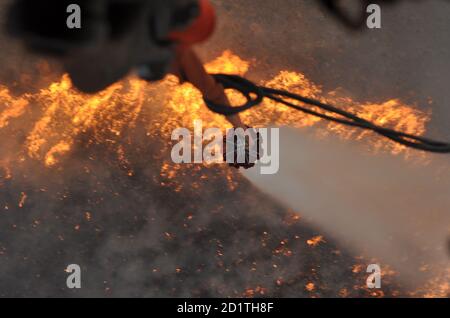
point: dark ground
(146, 240)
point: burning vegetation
(66, 114)
(55, 135)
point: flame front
(66, 113)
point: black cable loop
(255, 95)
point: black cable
(255, 95)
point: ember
(60, 121)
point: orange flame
(66, 113)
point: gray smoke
(382, 205)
